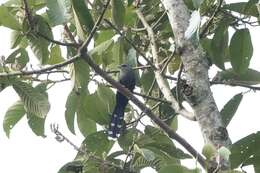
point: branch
(230, 83)
(75, 45)
(159, 78)
(40, 71)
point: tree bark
(196, 72)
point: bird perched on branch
(126, 78)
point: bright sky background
(25, 152)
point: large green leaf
(98, 144)
(101, 49)
(83, 14)
(241, 50)
(8, 20)
(18, 59)
(118, 52)
(230, 108)
(95, 109)
(246, 8)
(55, 55)
(86, 125)
(72, 167)
(250, 77)
(71, 106)
(36, 124)
(16, 38)
(81, 72)
(35, 103)
(118, 13)
(127, 139)
(147, 80)
(13, 116)
(39, 45)
(59, 11)
(218, 45)
(107, 96)
(244, 149)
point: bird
(128, 80)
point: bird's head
(125, 68)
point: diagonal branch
(159, 78)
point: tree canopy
(171, 44)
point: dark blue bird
(126, 78)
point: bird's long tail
(116, 122)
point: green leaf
(71, 106)
(19, 58)
(82, 70)
(147, 79)
(107, 96)
(146, 153)
(35, 102)
(16, 38)
(250, 77)
(118, 52)
(13, 115)
(38, 44)
(246, 8)
(244, 149)
(241, 50)
(118, 13)
(218, 46)
(8, 20)
(59, 11)
(89, 105)
(103, 52)
(230, 108)
(98, 144)
(83, 14)
(127, 139)
(103, 36)
(72, 167)
(55, 55)
(101, 49)
(86, 125)
(36, 124)
(157, 135)
(141, 163)
(177, 169)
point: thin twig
(58, 42)
(60, 137)
(178, 85)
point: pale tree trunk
(196, 72)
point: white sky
(25, 152)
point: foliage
(32, 30)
